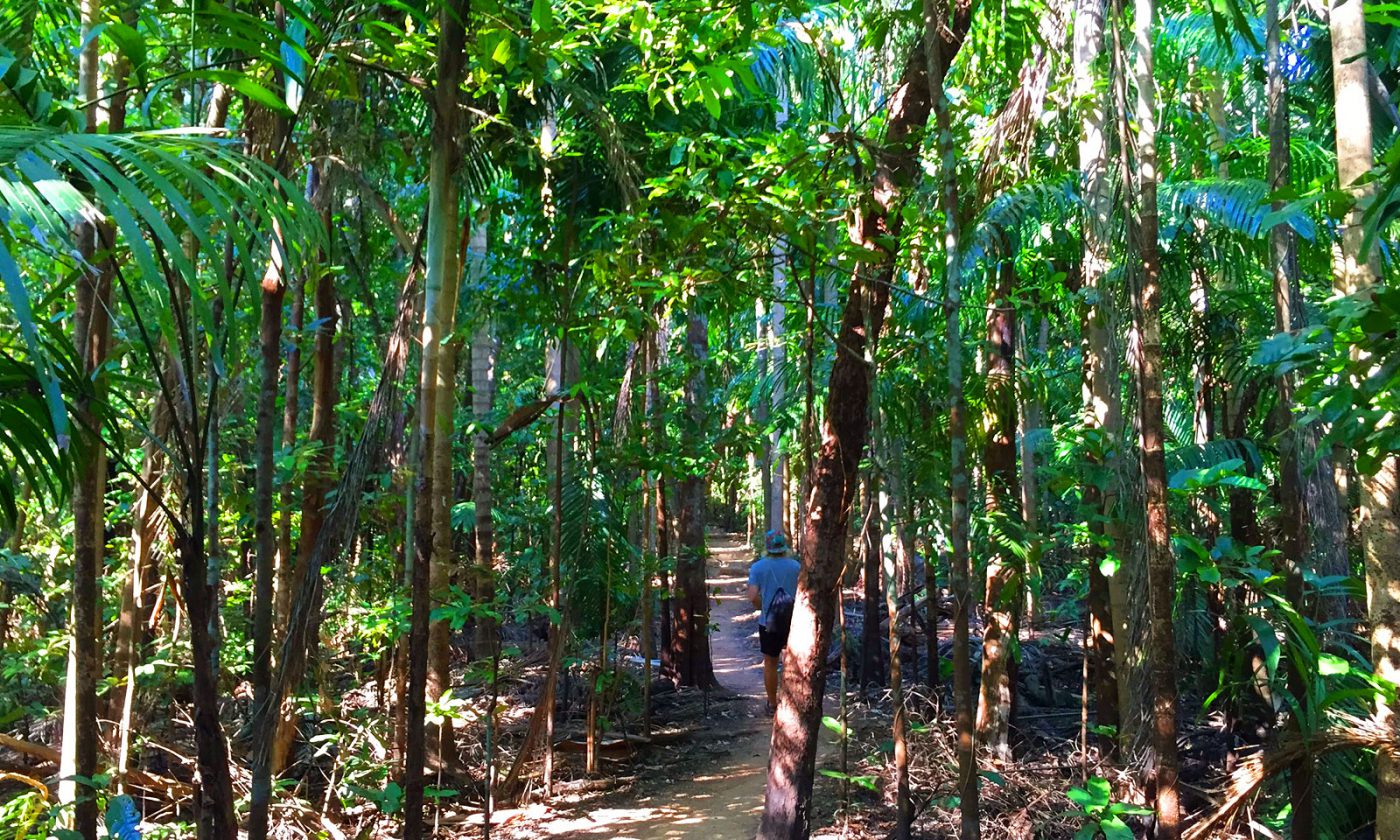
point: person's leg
(770, 679)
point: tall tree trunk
(91, 336)
(441, 268)
(1356, 273)
(692, 599)
(444, 495)
(890, 551)
(1001, 605)
(1031, 420)
(791, 767)
(291, 398)
(1161, 565)
(483, 397)
(944, 29)
(318, 480)
(1283, 246)
(761, 416)
(274, 289)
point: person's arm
(755, 596)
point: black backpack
(780, 613)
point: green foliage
(1101, 815)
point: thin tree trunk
(441, 268)
(939, 26)
(904, 808)
(1356, 273)
(91, 336)
(440, 572)
(1161, 565)
(1283, 247)
(483, 360)
(274, 289)
(868, 546)
(1002, 601)
(318, 480)
(291, 398)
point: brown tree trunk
(318, 480)
(791, 767)
(274, 289)
(1161, 565)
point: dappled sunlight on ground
(725, 796)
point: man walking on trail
(772, 588)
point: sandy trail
(725, 798)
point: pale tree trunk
(868, 548)
(1099, 390)
(940, 24)
(441, 260)
(889, 553)
(1355, 273)
(291, 398)
(777, 360)
(1288, 317)
(1002, 600)
(483, 397)
(1031, 419)
(1161, 565)
(761, 414)
(91, 336)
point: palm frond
(1237, 205)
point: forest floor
(710, 786)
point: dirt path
(724, 797)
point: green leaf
(1330, 665)
(1115, 829)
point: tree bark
(944, 30)
(291, 398)
(1161, 565)
(441, 267)
(274, 289)
(791, 767)
(692, 600)
(91, 336)
(483, 397)
(1001, 604)
(1355, 273)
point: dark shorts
(771, 644)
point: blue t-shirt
(770, 573)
